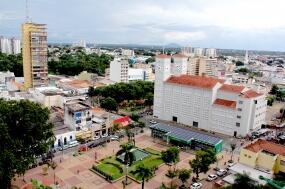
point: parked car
(212, 177)
(83, 148)
(96, 137)
(231, 164)
(221, 172)
(73, 143)
(114, 137)
(104, 135)
(152, 121)
(196, 185)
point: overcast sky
(238, 24)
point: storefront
(186, 138)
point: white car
(152, 122)
(221, 172)
(231, 164)
(114, 137)
(196, 185)
(212, 177)
(73, 143)
(104, 135)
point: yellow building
(264, 155)
(34, 48)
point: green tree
(128, 157)
(243, 181)
(25, 133)
(171, 174)
(53, 165)
(109, 104)
(184, 175)
(170, 156)
(274, 89)
(135, 117)
(239, 63)
(149, 60)
(37, 185)
(149, 99)
(144, 173)
(203, 159)
(270, 100)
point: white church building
(204, 102)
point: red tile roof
(270, 147)
(226, 103)
(124, 121)
(232, 88)
(195, 81)
(163, 56)
(179, 56)
(251, 94)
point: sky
(230, 24)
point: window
(237, 124)
(240, 102)
(255, 101)
(245, 155)
(195, 124)
(239, 109)
(174, 119)
(238, 116)
(70, 137)
(65, 141)
(78, 121)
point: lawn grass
(115, 168)
(152, 151)
(111, 166)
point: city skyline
(221, 24)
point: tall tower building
(34, 47)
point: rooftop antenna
(28, 19)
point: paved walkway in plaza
(74, 171)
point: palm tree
(53, 165)
(128, 156)
(143, 173)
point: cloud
(221, 23)
(185, 37)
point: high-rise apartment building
(198, 52)
(211, 53)
(15, 46)
(34, 44)
(200, 66)
(10, 46)
(119, 68)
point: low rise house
(264, 155)
(77, 115)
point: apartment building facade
(34, 47)
(119, 70)
(204, 102)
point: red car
(83, 148)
